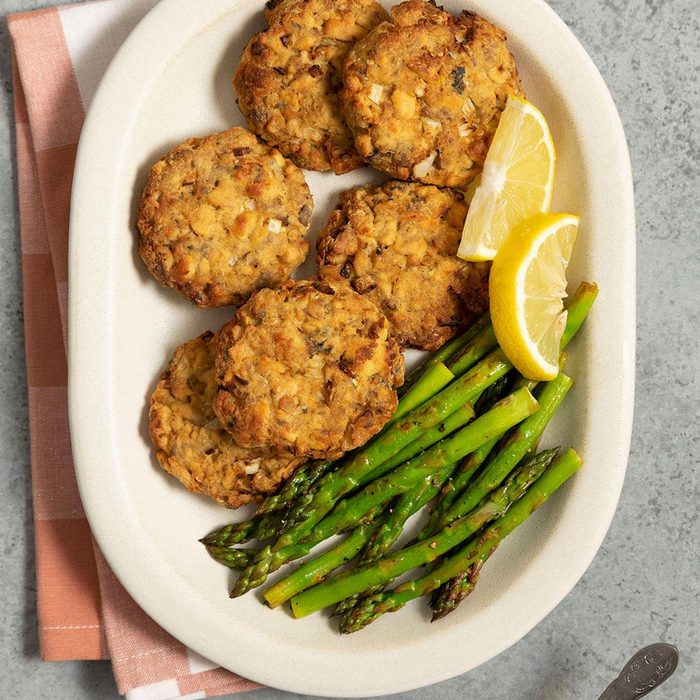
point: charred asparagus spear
(367, 537)
(301, 480)
(521, 440)
(389, 567)
(392, 524)
(474, 553)
(448, 597)
(233, 558)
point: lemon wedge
(516, 183)
(527, 287)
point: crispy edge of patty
(192, 446)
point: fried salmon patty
(224, 216)
(308, 369)
(193, 447)
(423, 93)
(397, 244)
(289, 76)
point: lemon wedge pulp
(516, 183)
(527, 288)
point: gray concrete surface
(643, 585)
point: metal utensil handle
(646, 670)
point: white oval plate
(170, 81)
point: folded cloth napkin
(84, 613)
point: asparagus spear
(495, 393)
(430, 382)
(392, 523)
(393, 565)
(577, 311)
(475, 552)
(447, 351)
(454, 486)
(521, 440)
(315, 570)
(271, 524)
(233, 558)
(460, 476)
(302, 479)
(260, 527)
(364, 537)
(446, 598)
(460, 418)
(463, 474)
(474, 351)
(507, 413)
(236, 533)
(411, 502)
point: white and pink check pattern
(84, 613)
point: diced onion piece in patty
(375, 93)
(421, 169)
(253, 467)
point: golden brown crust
(289, 76)
(397, 244)
(193, 447)
(307, 369)
(223, 216)
(423, 93)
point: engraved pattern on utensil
(644, 672)
(660, 657)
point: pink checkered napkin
(84, 613)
